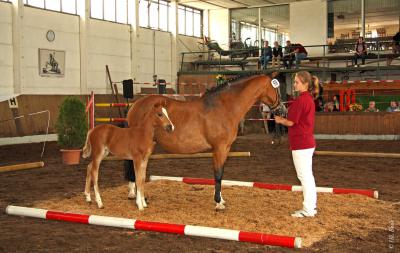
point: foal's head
(161, 118)
(271, 96)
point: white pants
(302, 160)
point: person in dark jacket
(361, 51)
(266, 55)
(277, 54)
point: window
(154, 14)
(67, 6)
(110, 10)
(4, 0)
(189, 21)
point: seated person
(371, 107)
(300, 53)
(396, 43)
(266, 55)
(277, 54)
(329, 107)
(393, 107)
(361, 51)
(336, 103)
(288, 56)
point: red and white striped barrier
(218, 233)
(284, 187)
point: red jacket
(302, 113)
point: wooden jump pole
(183, 156)
(22, 166)
(358, 154)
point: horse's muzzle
(280, 110)
(169, 128)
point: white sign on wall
(51, 63)
(13, 103)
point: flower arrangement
(355, 107)
(220, 79)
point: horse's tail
(87, 149)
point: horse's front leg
(139, 182)
(219, 158)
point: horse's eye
(159, 114)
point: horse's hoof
(222, 201)
(101, 206)
(131, 196)
(219, 206)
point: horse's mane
(212, 93)
(228, 83)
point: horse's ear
(274, 74)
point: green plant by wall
(71, 123)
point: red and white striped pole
(218, 233)
(284, 187)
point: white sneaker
(301, 214)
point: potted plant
(71, 129)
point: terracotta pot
(71, 156)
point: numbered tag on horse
(275, 83)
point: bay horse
(209, 122)
(134, 143)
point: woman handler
(300, 122)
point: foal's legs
(95, 176)
(219, 158)
(88, 182)
(143, 178)
(130, 176)
(139, 182)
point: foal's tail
(87, 149)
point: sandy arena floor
(345, 223)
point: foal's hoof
(219, 206)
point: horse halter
(275, 84)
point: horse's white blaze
(166, 114)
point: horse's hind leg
(88, 182)
(219, 158)
(95, 177)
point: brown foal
(134, 143)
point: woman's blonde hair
(312, 81)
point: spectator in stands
(300, 53)
(396, 43)
(266, 55)
(336, 104)
(288, 56)
(393, 107)
(277, 54)
(361, 51)
(371, 107)
(329, 107)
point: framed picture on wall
(51, 63)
